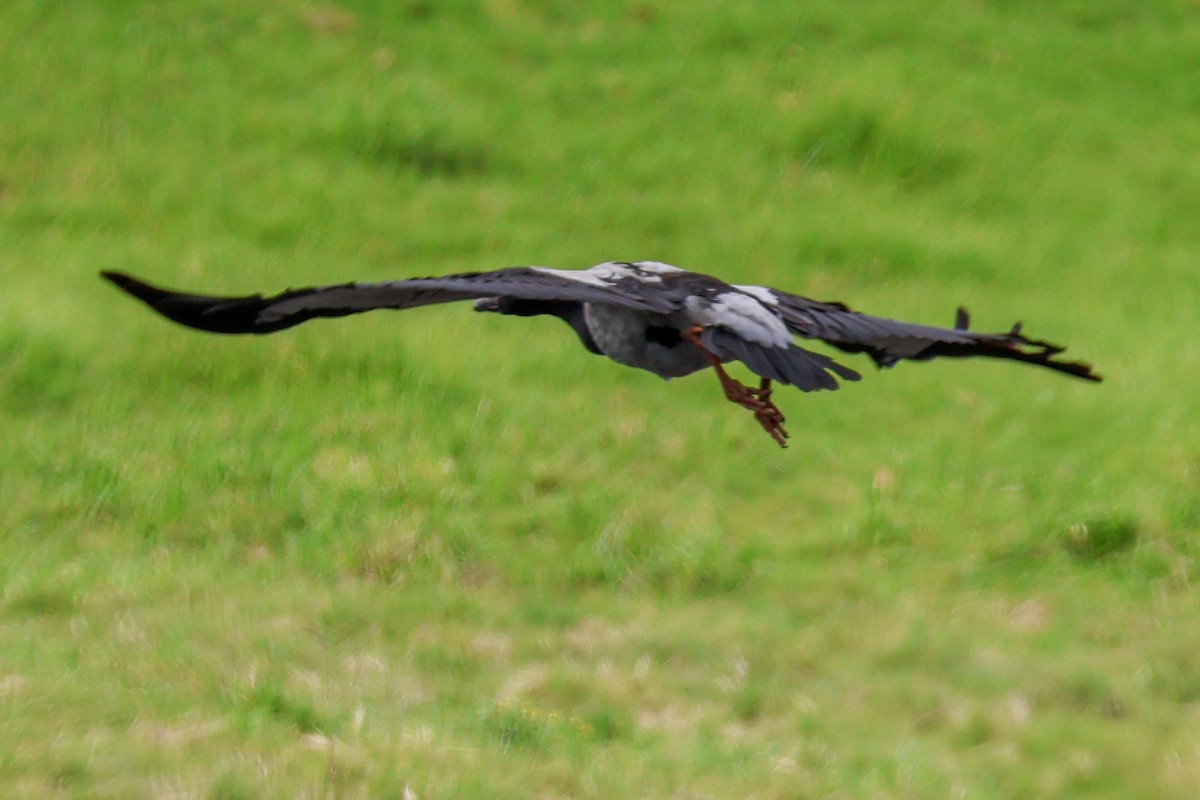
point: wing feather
(258, 314)
(888, 341)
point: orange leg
(757, 400)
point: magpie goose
(643, 314)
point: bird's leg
(768, 414)
(735, 390)
(757, 400)
(763, 394)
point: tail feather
(795, 366)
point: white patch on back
(588, 276)
(656, 266)
(614, 271)
(742, 314)
(761, 293)
(606, 274)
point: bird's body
(646, 314)
(642, 339)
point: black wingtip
(120, 279)
(1042, 352)
(962, 319)
(201, 312)
(131, 285)
(1076, 369)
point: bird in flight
(642, 314)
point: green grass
(449, 555)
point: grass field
(448, 555)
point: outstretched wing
(887, 341)
(258, 314)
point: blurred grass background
(443, 555)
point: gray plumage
(646, 314)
